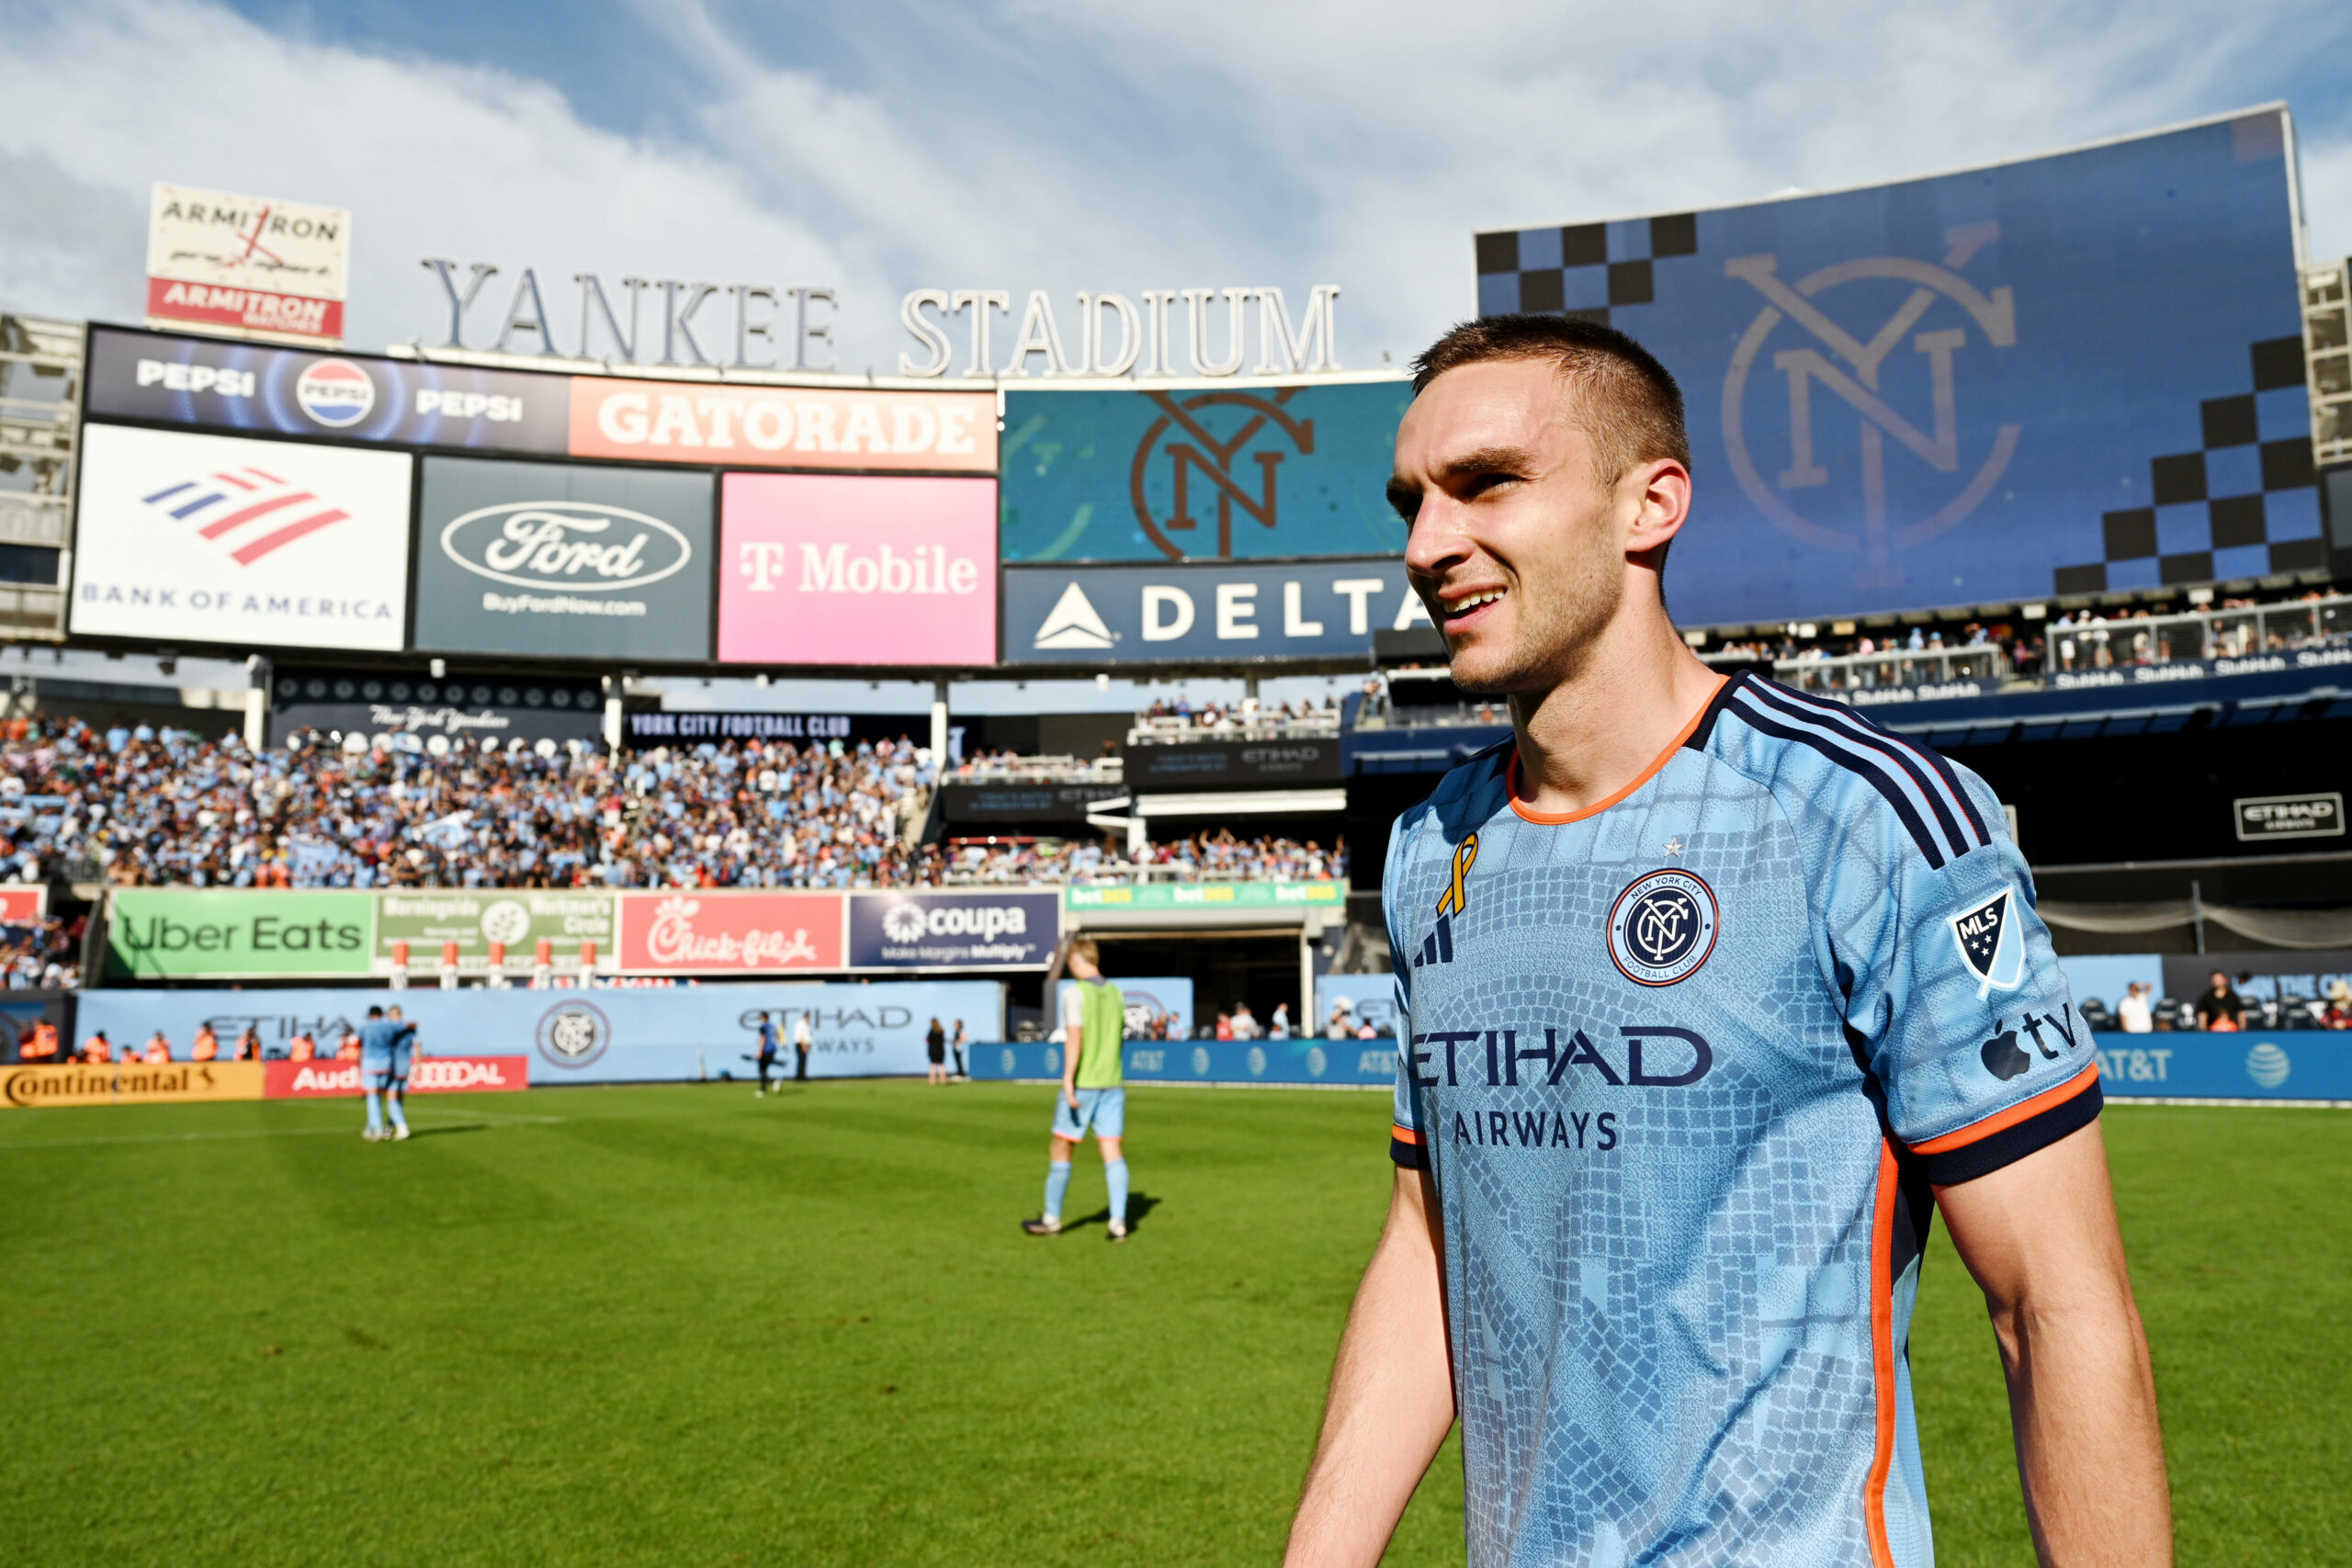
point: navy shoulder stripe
(1933, 758)
(1876, 740)
(1763, 722)
(1706, 729)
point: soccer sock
(374, 1111)
(1114, 1171)
(1056, 1185)
(392, 1105)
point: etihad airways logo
(255, 513)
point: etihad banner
(256, 544)
(562, 560)
(129, 1083)
(823, 569)
(714, 933)
(732, 425)
(431, 1074)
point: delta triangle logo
(1073, 624)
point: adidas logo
(1073, 624)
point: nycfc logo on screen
(1990, 943)
(1896, 484)
(1662, 928)
(573, 1034)
(1202, 465)
(570, 545)
(336, 393)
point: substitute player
(1094, 1089)
(1715, 993)
(384, 1048)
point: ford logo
(566, 543)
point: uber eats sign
(195, 933)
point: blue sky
(1063, 144)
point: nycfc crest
(1662, 928)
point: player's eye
(1404, 501)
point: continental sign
(131, 1083)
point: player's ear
(1656, 496)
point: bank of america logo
(252, 508)
(1073, 624)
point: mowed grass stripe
(684, 1323)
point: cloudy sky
(1063, 144)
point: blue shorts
(376, 1067)
(1105, 1110)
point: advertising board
(2311, 1065)
(465, 708)
(1156, 1006)
(1193, 895)
(166, 379)
(729, 933)
(430, 919)
(907, 930)
(821, 568)
(1240, 764)
(602, 1035)
(128, 1083)
(1364, 998)
(562, 560)
(2069, 375)
(2316, 816)
(428, 1075)
(253, 544)
(247, 264)
(1025, 802)
(1369, 1064)
(184, 933)
(24, 904)
(728, 424)
(1230, 473)
(676, 727)
(1097, 615)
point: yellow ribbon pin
(1457, 898)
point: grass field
(684, 1326)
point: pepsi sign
(207, 383)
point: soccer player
(767, 1052)
(1094, 1089)
(384, 1047)
(1715, 993)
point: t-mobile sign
(825, 569)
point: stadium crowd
(1209, 857)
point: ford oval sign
(575, 546)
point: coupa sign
(546, 558)
(937, 931)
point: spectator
(2221, 1009)
(97, 1048)
(2338, 1011)
(208, 1044)
(1224, 1026)
(1245, 1022)
(1339, 1025)
(248, 1045)
(303, 1048)
(159, 1050)
(1281, 1029)
(2132, 1013)
(347, 1048)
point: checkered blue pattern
(1659, 1287)
(1591, 271)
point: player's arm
(1392, 1395)
(2041, 1238)
(1073, 1042)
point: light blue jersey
(1683, 1068)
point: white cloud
(1074, 144)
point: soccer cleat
(1118, 1230)
(371, 1136)
(1041, 1226)
(401, 1133)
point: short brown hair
(1630, 407)
(1083, 947)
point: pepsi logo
(335, 394)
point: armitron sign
(2290, 817)
(247, 266)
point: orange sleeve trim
(1883, 1384)
(2024, 1111)
(1403, 1134)
(1560, 818)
